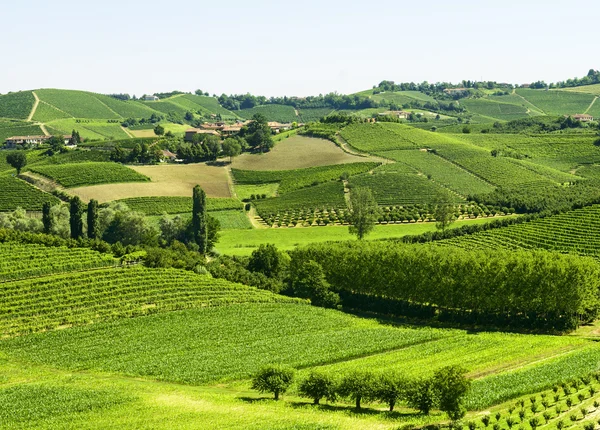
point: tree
(274, 379)
(443, 211)
(318, 385)
(231, 148)
(451, 386)
(420, 395)
(258, 133)
(308, 281)
(118, 155)
(159, 130)
(358, 386)
(17, 160)
(130, 228)
(75, 138)
(75, 220)
(212, 231)
(213, 147)
(199, 227)
(363, 212)
(57, 144)
(390, 389)
(47, 217)
(93, 228)
(266, 260)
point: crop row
(17, 193)
(83, 174)
(291, 180)
(373, 137)
(177, 205)
(327, 195)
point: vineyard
(77, 104)
(83, 174)
(495, 110)
(20, 261)
(375, 138)
(291, 180)
(17, 193)
(46, 303)
(557, 102)
(273, 112)
(177, 205)
(16, 105)
(315, 114)
(576, 232)
(18, 128)
(46, 113)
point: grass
(247, 191)
(85, 174)
(166, 180)
(16, 105)
(296, 152)
(237, 242)
(18, 193)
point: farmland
(78, 104)
(273, 112)
(17, 128)
(495, 110)
(18, 193)
(85, 174)
(177, 205)
(557, 102)
(16, 105)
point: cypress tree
(75, 221)
(46, 217)
(199, 227)
(92, 219)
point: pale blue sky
(293, 48)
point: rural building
(397, 113)
(229, 130)
(276, 127)
(168, 155)
(190, 133)
(583, 117)
(14, 141)
(151, 98)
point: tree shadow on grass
(257, 399)
(395, 415)
(218, 163)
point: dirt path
(349, 150)
(254, 219)
(591, 104)
(43, 127)
(127, 132)
(527, 101)
(35, 105)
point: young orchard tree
(420, 395)
(451, 386)
(75, 220)
(363, 212)
(17, 160)
(318, 385)
(274, 379)
(358, 386)
(390, 389)
(199, 219)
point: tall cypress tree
(46, 217)
(75, 221)
(199, 227)
(92, 219)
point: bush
(420, 395)
(274, 379)
(390, 389)
(451, 386)
(317, 386)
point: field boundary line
(127, 132)
(591, 104)
(537, 107)
(44, 130)
(60, 110)
(107, 107)
(35, 105)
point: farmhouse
(151, 98)
(276, 127)
(190, 133)
(396, 113)
(229, 130)
(14, 141)
(583, 117)
(168, 155)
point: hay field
(166, 180)
(297, 152)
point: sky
(294, 48)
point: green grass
(78, 104)
(83, 174)
(246, 191)
(238, 242)
(291, 180)
(177, 205)
(87, 297)
(390, 188)
(557, 102)
(16, 105)
(17, 193)
(273, 112)
(495, 110)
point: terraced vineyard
(17, 193)
(291, 180)
(81, 298)
(177, 205)
(21, 261)
(401, 189)
(83, 174)
(576, 232)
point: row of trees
(446, 389)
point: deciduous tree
(318, 385)
(274, 379)
(363, 212)
(17, 160)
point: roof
(169, 154)
(582, 115)
(201, 131)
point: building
(583, 117)
(190, 133)
(229, 130)
(168, 155)
(397, 113)
(277, 127)
(14, 141)
(151, 98)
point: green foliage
(373, 137)
(77, 104)
(358, 386)
(291, 180)
(390, 388)
(363, 212)
(273, 112)
(308, 281)
(557, 102)
(76, 210)
(177, 205)
(83, 174)
(420, 394)
(495, 110)
(266, 260)
(199, 219)
(16, 105)
(318, 385)
(17, 159)
(451, 386)
(274, 379)
(19, 194)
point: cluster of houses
(222, 129)
(16, 141)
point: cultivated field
(165, 180)
(297, 152)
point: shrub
(390, 388)
(420, 395)
(274, 379)
(589, 426)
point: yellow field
(297, 152)
(167, 180)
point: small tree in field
(420, 395)
(159, 130)
(17, 160)
(358, 386)
(231, 148)
(363, 212)
(317, 386)
(443, 212)
(451, 386)
(390, 389)
(274, 379)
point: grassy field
(247, 191)
(166, 180)
(296, 152)
(86, 174)
(244, 242)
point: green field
(17, 193)
(557, 102)
(273, 112)
(78, 104)
(83, 174)
(177, 205)
(18, 128)
(495, 110)
(16, 105)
